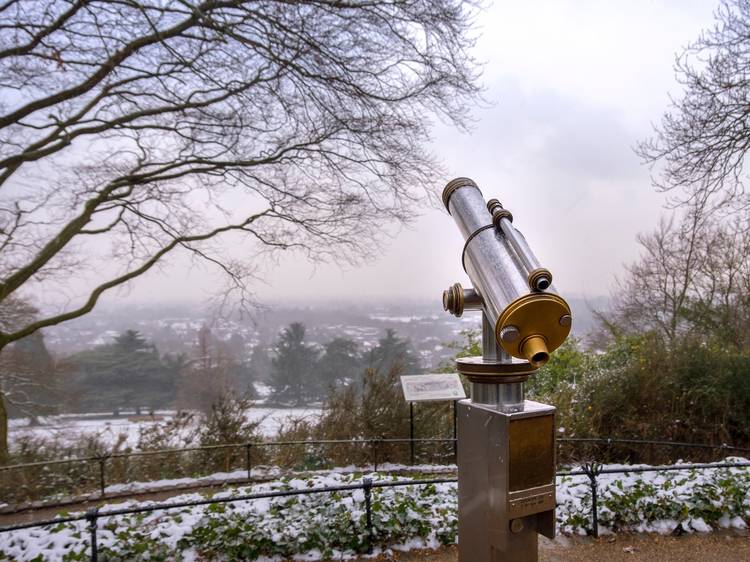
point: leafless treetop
(703, 139)
(133, 129)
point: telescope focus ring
(453, 299)
(540, 279)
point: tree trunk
(4, 452)
(4, 456)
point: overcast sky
(572, 86)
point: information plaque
(425, 388)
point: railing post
(455, 431)
(375, 449)
(91, 517)
(367, 487)
(102, 482)
(248, 460)
(411, 432)
(594, 508)
(592, 470)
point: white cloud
(573, 86)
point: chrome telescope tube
(539, 278)
(515, 293)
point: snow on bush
(698, 500)
(318, 525)
(332, 525)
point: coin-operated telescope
(506, 444)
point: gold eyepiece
(534, 349)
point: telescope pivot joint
(453, 299)
(456, 299)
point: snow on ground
(273, 418)
(267, 473)
(309, 527)
(332, 525)
(263, 390)
(127, 427)
(71, 427)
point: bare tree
(704, 137)
(26, 371)
(656, 287)
(206, 377)
(133, 130)
(692, 281)
(719, 303)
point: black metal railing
(32, 481)
(594, 469)
(591, 470)
(93, 515)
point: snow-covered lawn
(127, 427)
(323, 525)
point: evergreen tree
(293, 367)
(138, 372)
(236, 346)
(260, 363)
(340, 364)
(391, 352)
(128, 373)
(130, 342)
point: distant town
(175, 328)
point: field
(127, 427)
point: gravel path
(713, 547)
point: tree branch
(8, 337)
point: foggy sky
(570, 88)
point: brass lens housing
(537, 317)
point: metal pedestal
(506, 486)
(506, 463)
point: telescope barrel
(469, 210)
(530, 319)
